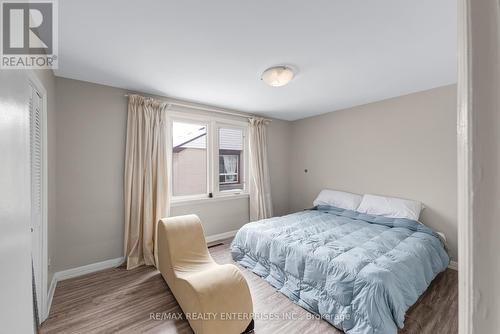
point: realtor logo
(29, 34)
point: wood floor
(121, 301)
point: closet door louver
(35, 114)
(36, 155)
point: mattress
(359, 272)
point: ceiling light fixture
(277, 76)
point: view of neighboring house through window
(230, 159)
(189, 159)
(208, 158)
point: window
(230, 156)
(189, 159)
(229, 168)
(208, 157)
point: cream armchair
(215, 298)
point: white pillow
(391, 207)
(340, 199)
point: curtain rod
(192, 106)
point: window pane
(189, 159)
(230, 159)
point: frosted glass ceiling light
(277, 76)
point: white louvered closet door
(35, 106)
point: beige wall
(218, 216)
(91, 123)
(485, 84)
(90, 131)
(404, 147)
(278, 150)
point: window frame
(243, 165)
(213, 124)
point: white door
(36, 153)
(16, 303)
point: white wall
(91, 123)
(405, 147)
(16, 303)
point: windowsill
(205, 200)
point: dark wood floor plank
(121, 301)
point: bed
(360, 272)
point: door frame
(43, 298)
(465, 185)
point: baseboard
(453, 265)
(221, 236)
(75, 272)
(88, 269)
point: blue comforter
(359, 272)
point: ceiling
(345, 53)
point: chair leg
(250, 328)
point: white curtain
(260, 186)
(146, 180)
(230, 165)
